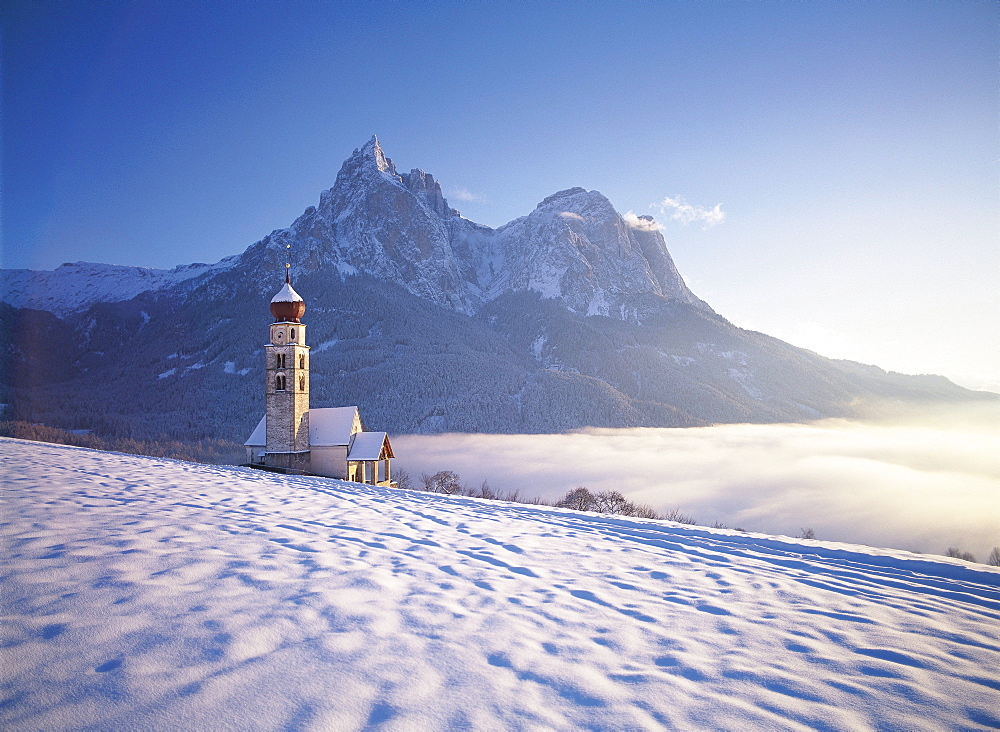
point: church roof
(370, 446)
(259, 434)
(327, 426)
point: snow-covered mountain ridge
(568, 317)
(148, 593)
(75, 286)
(574, 247)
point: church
(291, 437)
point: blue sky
(853, 148)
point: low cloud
(681, 211)
(570, 215)
(642, 223)
(464, 194)
(918, 487)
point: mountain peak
(560, 195)
(370, 154)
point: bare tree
(402, 480)
(807, 534)
(612, 502)
(444, 481)
(579, 499)
(994, 558)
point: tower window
(302, 383)
(291, 333)
(279, 382)
(302, 361)
(280, 360)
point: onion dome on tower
(287, 306)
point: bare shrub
(511, 496)
(674, 514)
(807, 534)
(486, 492)
(959, 554)
(644, 510)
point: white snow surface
(367, 445)
(143, 593)
(286, 294)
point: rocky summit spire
(371, 154)
(365, 167)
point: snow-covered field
(141, 593)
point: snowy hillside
(148, 594)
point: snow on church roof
(327, 426)
(287, 294)
(368, 446)
(333, 425)
(259, 434)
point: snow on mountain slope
(141, 593)
(398, 227)
(574, 247)
(394, 227)
(72, 287)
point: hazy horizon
(923, 484)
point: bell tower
(287, 383)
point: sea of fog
(924, 485)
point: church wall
(330, 462)
(289, 460)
